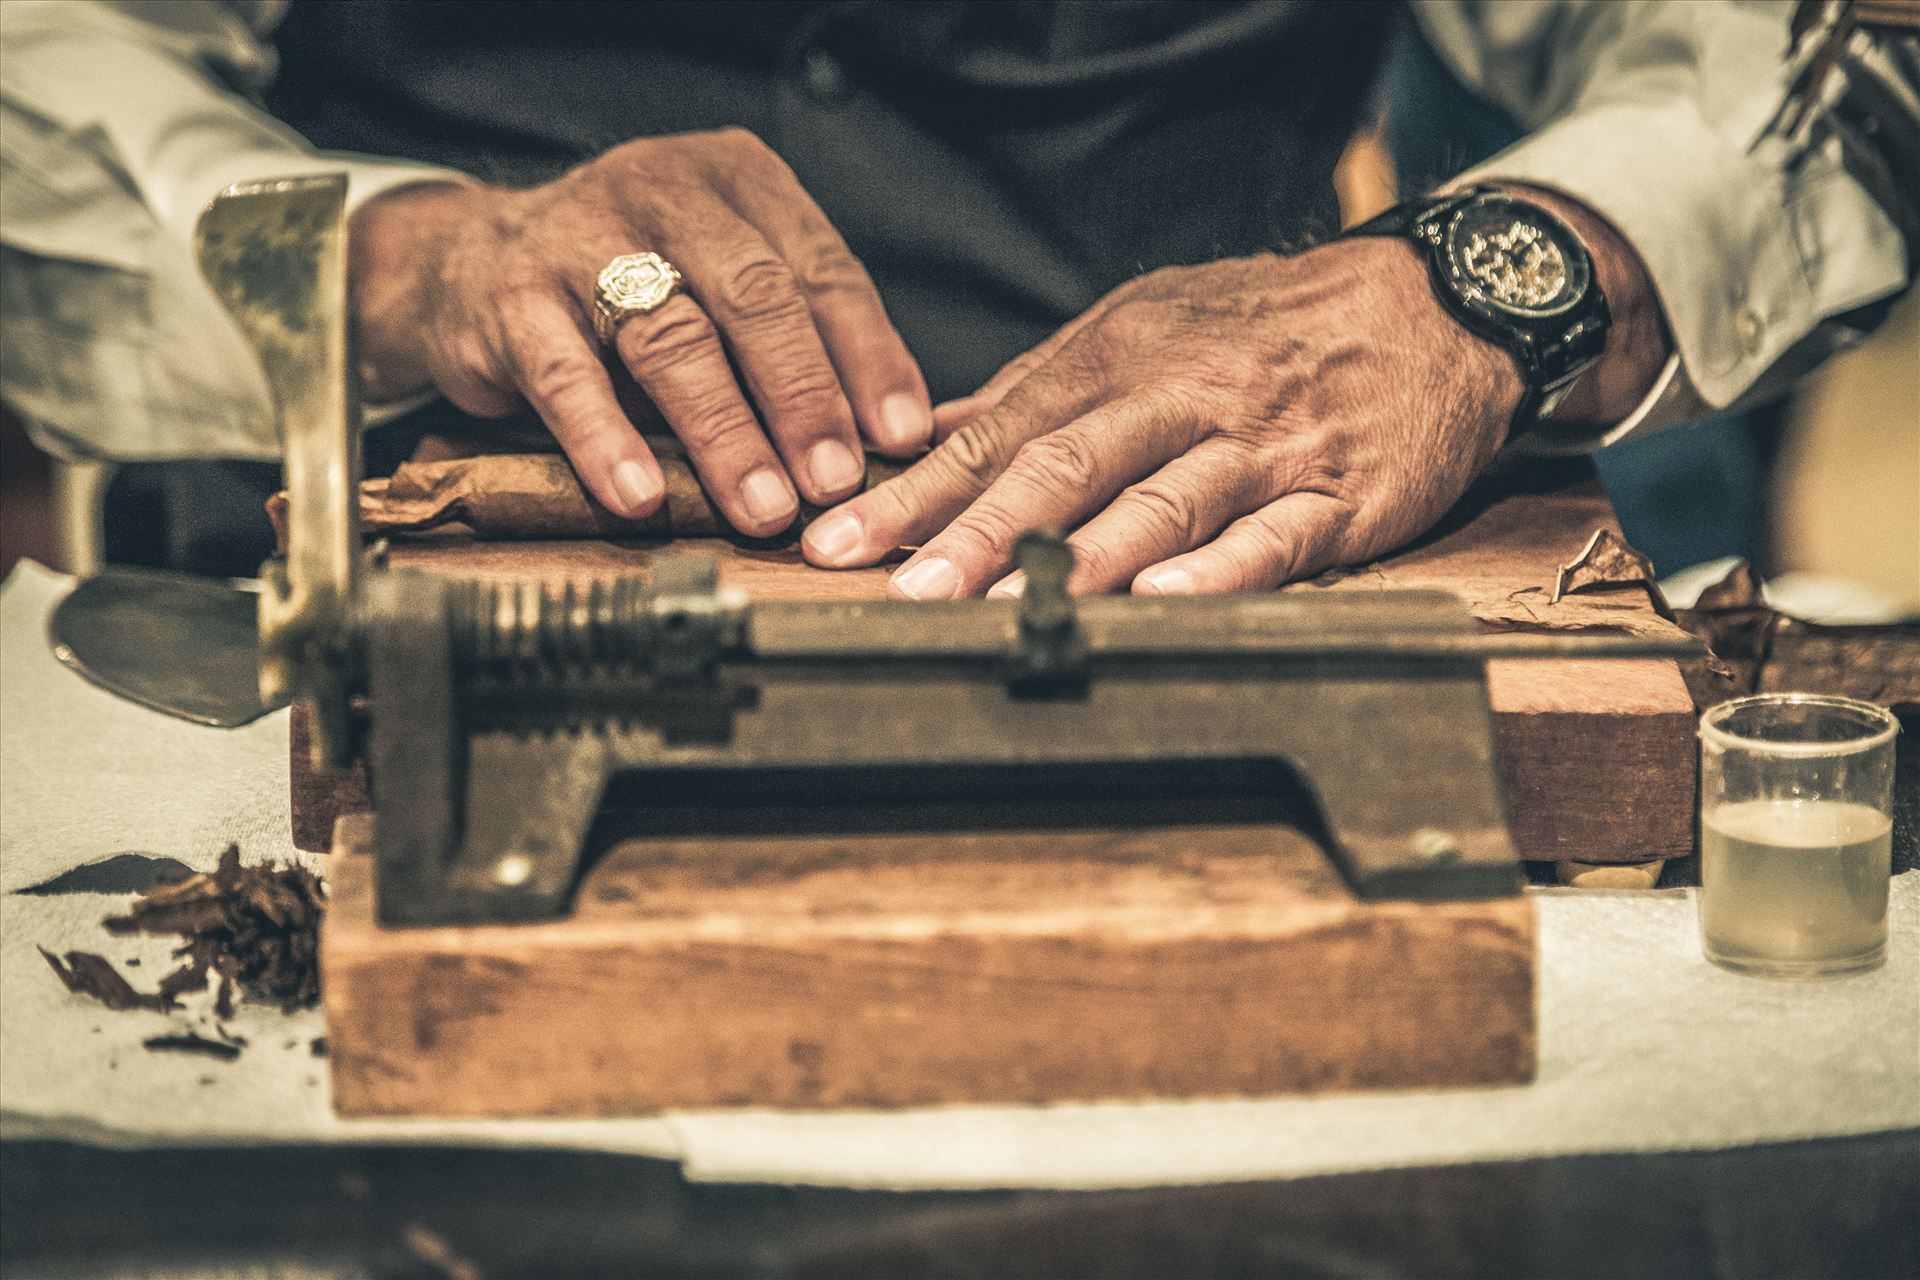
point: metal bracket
(1049, 659)
(274, 253)
(692, 625)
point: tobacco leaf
(1879, 664)
(1740, 588)
(532, 496)
(87, 974)
(1483, 577)
(253, 928)
(1734, 620)
(1753, 648)
(1606, 560)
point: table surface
(299, 1212)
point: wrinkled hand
(1233, 426)
(487, 294)
(1213, 428)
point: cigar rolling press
(496, 714)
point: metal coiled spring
(585, 655)
(523, 630)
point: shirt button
(1752, 330)
(823, 76)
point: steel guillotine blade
(275, 253)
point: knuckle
(1246, 566)
(809, 394)
(714, 422)
(1318, 473)
(829, 268)
(1132, 322)
(519, 290)
(1015, 369)
(1060, 461)
(758, 287)
(1231, 366)
(673, 333)
(1265, 556)
(974, 450)
(741, 139)
(548, 374)
(1166, 510)
(1095, 562)
(985, 531)
(1185, 397)
(742, 153)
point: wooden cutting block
(1112, 960)
(1596, 759)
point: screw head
(1435, 845)
(513, 870)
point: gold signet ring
(631, 285)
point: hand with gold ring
(671, 260)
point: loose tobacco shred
(93, 975)
(191, 1043)
(253, 928)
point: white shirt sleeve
(1646, 112)
(118, 122)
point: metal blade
(184, 645)
(275, 254)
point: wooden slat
(897, 970)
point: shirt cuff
(367, 177)
(1671, 400)
(1709, 221)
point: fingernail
(1011, 587)
(1163, 581)
(634, 486)
(906, 422)
(767, 496)
(929, 579)
(833, 467)
(834, 536)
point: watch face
(1515, 257)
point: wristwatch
(1516, 275)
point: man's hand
(487, 294)
(1225, 427)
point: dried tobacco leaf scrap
(1737, 627)
(188, 1042)
(87, 974)
(1753, 648)
(1879, 663)
(1606, 560)
(254, 929)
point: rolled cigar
(536, 495)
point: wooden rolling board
(899, 970)
(1596, 759)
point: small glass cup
(1796, 834)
